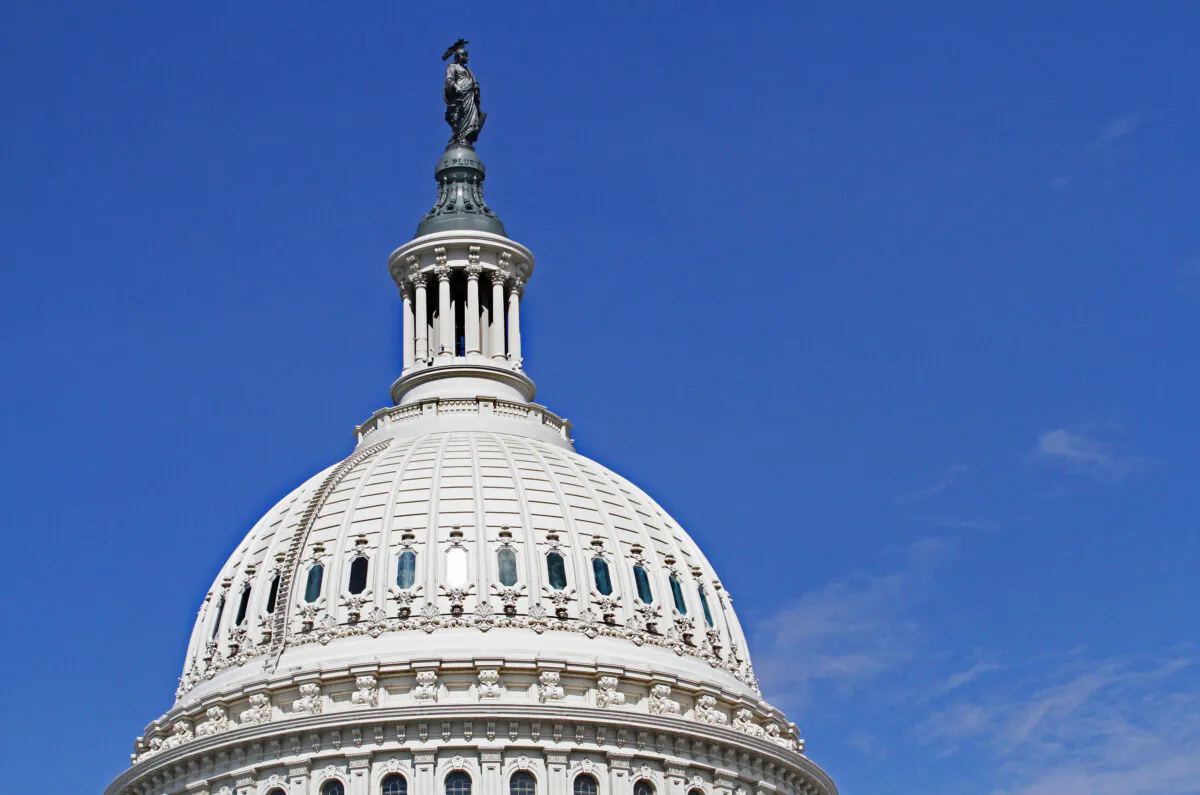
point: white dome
(467, 599)
(460, 484)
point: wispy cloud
(948, 478)
(1079, 453)
(1114, 726)
(847, 631)
(1116, 130)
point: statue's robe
(462, 104)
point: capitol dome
(432, 532)
(465, 605)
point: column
(676, 779)
(556, 764)
(514, 321)
(618, 774)
(422, 318)
(298, 778)
(360, 770)
(423, 777)
(473, 341)
(445, 343)
(497, 315)
(492, 779)
(409, 325)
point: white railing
(483, 406)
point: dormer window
(216, 627)
(243, 606)
(312, 588)
(708, 619)
(677, 595)
(273, 593)
(358, 575)
(406, 570)
(600, 573)
(642, 580)
(506, 566)
(556, 570)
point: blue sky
(895, 306)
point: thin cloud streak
(1078, 453)
(850, 630)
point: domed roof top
(456, 517)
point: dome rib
(387, 530)
(281, 623)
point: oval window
(506, 564)
(273, 594)
(406, 569)
(556, 570)
(243, 606)
(456, 567)
(643, 584)
(603, 580)
(704, 606)
(312, 588)
(358, 575)
(216, 627)
(677, 594)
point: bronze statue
(462, 98)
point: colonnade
(489, 330)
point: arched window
(556, 570)
(276, 791)
(333, 787)
(522, 783)
(677, 593)
(585, 784)
(643, 787)
(358, 575)
(458, 783)
(394, 784)
(695, 792)
(312, 588)
(406, 570)
(216, 627)
(243, 605)
(704, 605)
(643, 588)
(273, 594)
(506, 564)
(456, 567)
(600, 572)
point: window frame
(458, 774)
(512, 779)
(507, 551)
(320, 568)
(600, 560)
(641, 577)
(677, 594)
(562, 561)
(392, 777)
(585, 775)
(415, 562)
(366, 584)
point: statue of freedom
(462, 98)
